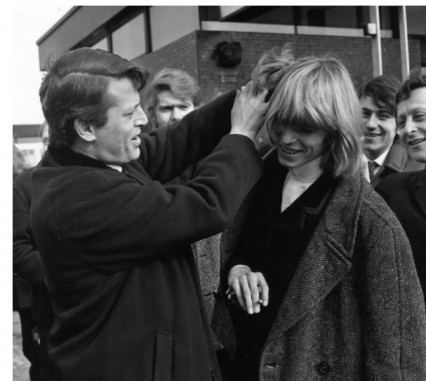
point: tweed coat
(116, 248)
(397, 160)
(406, 195)
(354, 309)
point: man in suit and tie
(382, 146)
(406, 192)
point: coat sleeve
(27, 262)
(167, 152)
(113, 221)
(396, 330)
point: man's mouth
(372, 135)
(136, 139)
(416, 141)
(289, 151)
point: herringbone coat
(354, 309)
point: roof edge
(57, 24)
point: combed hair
(382, 90)
(75, 87)
(177, 81)
(415, 81)
(317, 94)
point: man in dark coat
(35, 311)
(30, 293)
(406, 192)
(115, 241)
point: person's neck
(378, 157)
(82, 148)
(373, 155)
(308, 172)
(88, 150)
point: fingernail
(265, 303)
(250, 311)
(257, 309)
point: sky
(30, 22)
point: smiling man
(115, 237)
(406, 192)
(382, 147)
(171, 95)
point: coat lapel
(327, 258)
(421, 191)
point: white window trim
(286, 29)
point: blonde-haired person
(320, 273)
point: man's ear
(84, 131)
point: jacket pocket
(163, 356)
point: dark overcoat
(354, 309)
(397, 160)
(406, 195)
(116, 248)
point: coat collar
(396, 158)
(421, 190)
(327, 259)
(64, 156)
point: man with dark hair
(382, 147)
(115, 237)
(406, 192)
(170, 95)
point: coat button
(323, 368)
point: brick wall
(193, 53)
(181, 54)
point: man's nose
(141, 118)
(287, 136)
(177, 114)
(371, 121)
(410, 126)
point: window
(103, 44)
(335, 17)
(259, 15)
(129, 41)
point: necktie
(372, 165)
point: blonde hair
(317, 94)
